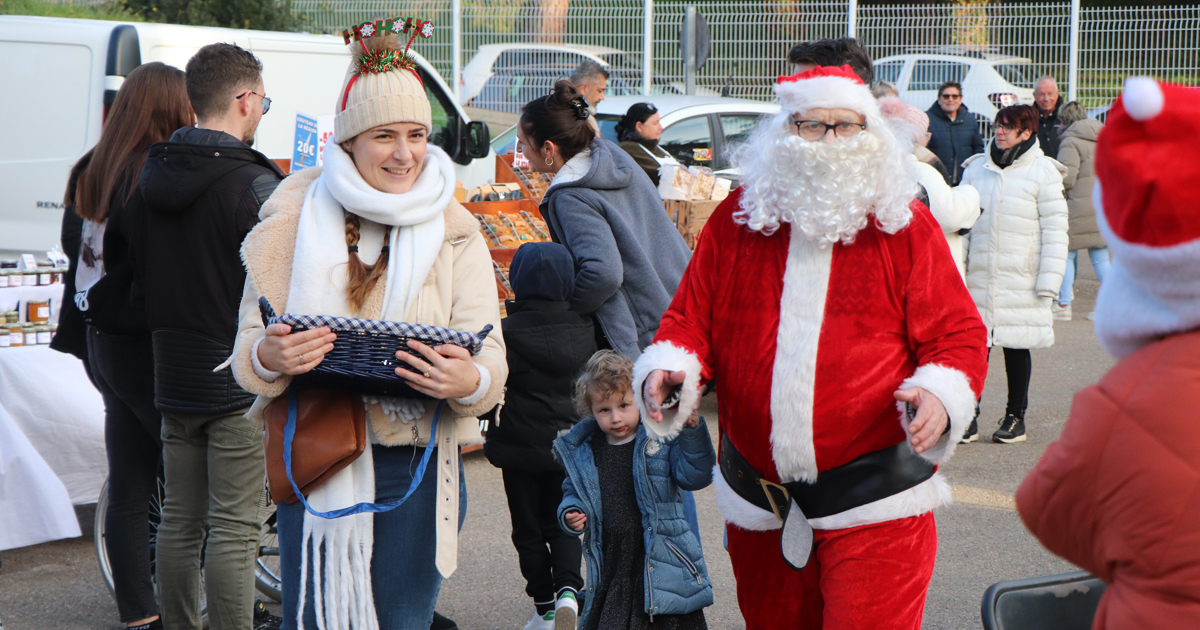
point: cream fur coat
(460, 293)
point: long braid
(360, 277)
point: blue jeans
(403, 576)
(1100, 262)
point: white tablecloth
(34, 504)
(49, 399)
(14, 298)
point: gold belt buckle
(767, 486)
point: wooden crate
(689, 217)
(505, 173)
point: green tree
(267, 15)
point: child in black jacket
(548, 344)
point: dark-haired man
(203, 190)
(844, 51)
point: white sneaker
(1092, 316)
(541, 622)
(566, 611)
(1061, 313)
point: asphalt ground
(981, 539)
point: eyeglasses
(266, 100)
(1009, 129)
(815, 129)
(951, 97)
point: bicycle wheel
(155, 515)
(268, 578)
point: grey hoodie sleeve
(586, 232)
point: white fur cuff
(260, 371)
(485, 382)
(667, 356)
(953, 389)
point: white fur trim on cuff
(921, 498)
(485, 382)
(953, 389)
(260, 371)
(665, 355)
(739, 511)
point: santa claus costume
(817, 290)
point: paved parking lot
(981, 538)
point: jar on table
(37, 311)
(11, 317)
(5, 274)
(43, 335)
(56, 277)
(5, 341)
(45, 277)
(16, 336)
(29, 278)
(30, 335)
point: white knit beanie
(381, 85)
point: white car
(49, 124)
(545, 59)
(699, 130)
(990, 80)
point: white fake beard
(824, 190)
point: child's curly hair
(606, 372)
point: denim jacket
(676, 575)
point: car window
(736, 129)
(446, 121)
(1018, 74)
(930, 74)
(509, 91)
(889, 71)
(608, 126)
(689, 141)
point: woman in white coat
(955, 209)
(1017, 253)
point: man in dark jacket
(202, 192)
(548, 344)
(953, 131)
(1048, 101)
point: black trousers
(549, 557)
(122, 368)
(1018, 367)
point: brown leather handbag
(331, 432)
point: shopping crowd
(842, 305)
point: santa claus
(848, 357)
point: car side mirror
(478, 139)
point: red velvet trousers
(872, 577)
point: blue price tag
(305, 153)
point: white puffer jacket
(1018, 248)
(953, 208)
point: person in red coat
(1119, 493)
(824, 301)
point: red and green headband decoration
(379, 61)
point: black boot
(1012, 429)
(442, 623)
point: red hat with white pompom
(826, 87)
(1147, 165)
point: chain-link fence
(996, 50)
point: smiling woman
(376, 234)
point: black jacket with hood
(548, 345)
(1047, 132)
(202, 191)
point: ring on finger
(425, 374)
(301, 357)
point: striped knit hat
(382, 85)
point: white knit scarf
(342, 589)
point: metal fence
(750, 39)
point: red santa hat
(828, 87)
(1149, 214)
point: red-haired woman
(1018, 253)
(151, 104)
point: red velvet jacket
(1119, 493)
(810, 344)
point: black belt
(869, 478)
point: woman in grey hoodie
(629, 258)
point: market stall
(51, 417)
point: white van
(59, 76)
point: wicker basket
(363, 358)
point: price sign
(305, 153)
